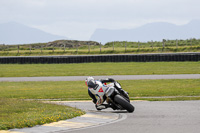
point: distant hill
(152, 31)
(15, 33)
(71, 43)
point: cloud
(79, 18)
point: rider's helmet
(89, 79)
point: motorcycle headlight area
(109, 91)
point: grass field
(92, 69)
(15, 113)
(171, 46)
(76, 90)
(97, 51)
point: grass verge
(68, 90)
(96, 50)
(169, 99)
(16, 113)
(85, 69)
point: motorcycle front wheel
(124, 103)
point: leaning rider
(91, 83)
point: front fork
(113, 105)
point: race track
(148, 117)
(116, 77)
(151, 117)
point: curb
(90, 119)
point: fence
(102, 58)
(110, 46)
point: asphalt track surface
(150, 117)
(116, 77)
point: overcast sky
(78, 19)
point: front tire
(124, 103)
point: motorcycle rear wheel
(124, 103)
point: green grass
(104, 50)
(70, 90)
(82, 48)
(170, 99)
(43, 90)
(88, 69)
(15, 113)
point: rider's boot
(99, 107)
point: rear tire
(124, 103)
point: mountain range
(151, 31)
(16, 33)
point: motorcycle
(116, 98)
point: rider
(91, 83)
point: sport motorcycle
(116, 98)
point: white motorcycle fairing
(99, 91)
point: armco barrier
(101, 58)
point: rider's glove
(111, 79)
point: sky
(78, 19)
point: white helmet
(88, 79)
